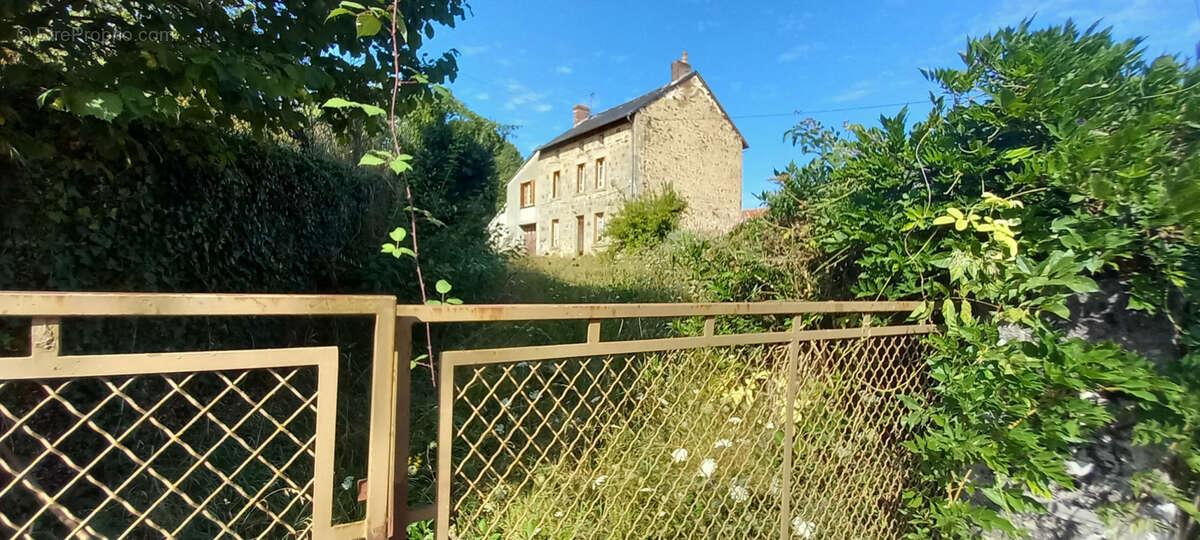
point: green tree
(1052, 158)
(250, 65)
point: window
(597, 226)
(579, 178)
(554, 186)
(600, 177)
(554, 233)
(527, 194)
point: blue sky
(770, 63)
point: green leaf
(41, 99)
(367, 24)
(338, 12)
(353, 5)
(401, 163)
(1081, 284)
(369, 160)
(432, 302)
(442, 286)
(919, 311)
(943, 220)
(1058, 308)
(339, 103)
(398, 234)
(103, 105)
(455, 301)
(1017, 154)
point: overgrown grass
(684, 444)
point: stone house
(677, 135)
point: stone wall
(684, 140)
(1102, 467)
(614, 145)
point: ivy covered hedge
(1051, 159)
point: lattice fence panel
(193, 455)
(683, 444)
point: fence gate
(205, 444)
(778, 434)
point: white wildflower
(739, 494)
(679, 455)
(558, 514)
(803, 529)
(533, 394)
(660, 514)
(663, 402)
(646, 490)
(348, 483)
(595, 399)
(735, 420)
(504, 403)
(770, 425)
(500, 429)
(708, 467)
(600, 480)
(723, 443)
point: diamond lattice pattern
(685, 444)
(197, 455)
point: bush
(645, 221)
(1057, 156)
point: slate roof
(625, 110)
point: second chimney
(680, 67)
(582, 112)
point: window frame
(528, 202)
(554, 230)
(554, 181)
(597, 226)
(601, 179)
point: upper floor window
(554, 186)
(579, 178)
(600, 176)
(527, 194)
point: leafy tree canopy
(254, 65)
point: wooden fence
(578, 440)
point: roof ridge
(614, 114)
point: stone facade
(677, 136)
(685, 140)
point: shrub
(1059, 156)
(645, 221)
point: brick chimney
(582, 112)
(680, 67)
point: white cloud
(483, 96)
(542, 107)
(472, 50)
(793, 54)
(521, 95)
(565, 70)
(859, 90)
